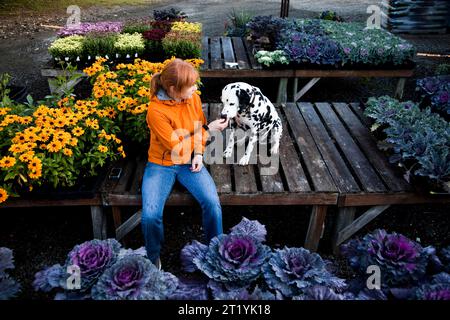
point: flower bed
(314, 42)
(239, 266)
(418, 141)
(53, 146)
(64, 143)
(154, 40)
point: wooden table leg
(305, 89)
(315, 228)
(282, 90)
(344, 218)
(98, 222)
(294, 89)
(359, 223)
(400, 88)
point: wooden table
(327, 158)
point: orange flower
(7, 162)
(3, 195)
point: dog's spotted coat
(248, 109)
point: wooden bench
(327, 158)
(233, 57)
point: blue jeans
(156, 187)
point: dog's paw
(227, 153)
(244, 160)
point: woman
(179, 132)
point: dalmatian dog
(248, 109)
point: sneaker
(158, 264)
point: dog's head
(236, 98)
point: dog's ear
(244, 97)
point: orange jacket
(172, 124)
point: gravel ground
(23, 48)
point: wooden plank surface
(271, 183)
(251, 55)
(244, 179)
(221, 173)
(342, 176)
(293, 171)
(227, 48)
(205, 54)
(356, 108)
(216, 54)
(240, 54)
(393, 180)
(358, 162)
(317, 168)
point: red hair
(177, 74)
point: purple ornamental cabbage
(313, 49)
(234, 259)
(190, 290)
(134, 278)
(445, 258)
(323, 293)
(9, 288)
(429, 85)
(49, 278)
(437, 289)
(401, 260)
(293, 270)
(252, 228)
(372, 294)
(220, 293)
(192, 255)
(434, 292)
(93, 258)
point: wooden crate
(415, 16)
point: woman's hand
(218, 125)
(197, 163)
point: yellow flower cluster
(96, 67)
(189, 27)
(50, 133)
(126, 88)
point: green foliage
(182, 45)
(236, 25)
(137, 28)
(414, 136)
(99, 45)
